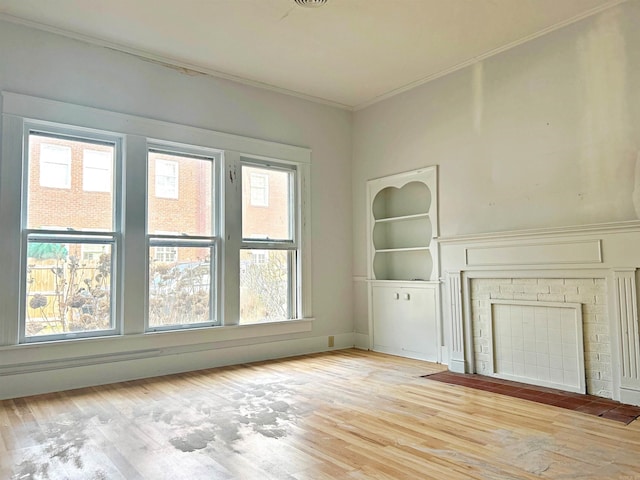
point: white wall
(50, 66)
(543, 135)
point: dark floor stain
(193, 425)
(196, 440)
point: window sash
(211, 244)
(182, 240)
(292, 207)
(69, 239)
(112, 238)
(292, 279)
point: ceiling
(349, 53)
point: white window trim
(233, 231)
(17, 109)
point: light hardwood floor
(348, 414)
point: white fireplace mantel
(608, 253)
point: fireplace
(551, 332)
(552, 307)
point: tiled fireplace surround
(591, 293)
(590, 268)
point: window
(268, 261)
(182, 266)
(55, 163)
(259, 185)
(62, 231)
(166, 173)
(96, 173)
(260, 257)
(68, 288)
(92, 253)
(166, 254)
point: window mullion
(232, 235)
(134, 277)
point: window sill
(52, 355)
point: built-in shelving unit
(402, 226)
(403, 264)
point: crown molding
(192, 69)
(169, 62)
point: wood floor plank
(341, 415)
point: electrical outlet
(330, 341)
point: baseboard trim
(121, 368)
(630, 397)
(361, 341)
(456, 366)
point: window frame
(177, 240)
(94, 236)
(136, 131)
(292, 246)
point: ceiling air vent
(310, 3)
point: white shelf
(407, 249)
(402, 223)
(403, 264)
(402, 218)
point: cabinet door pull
(407, 296)
(396, 296)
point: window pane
(179, 290)
(180, 193)
(266, 203)
(264, 285)
(56, 178)
(67, 290)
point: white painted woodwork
(278, 45)
(610, 315)
(53, 67)
(404, 320)
(403, 222)
(404, 292)
(540, 253)
(457, 350)
(538, 343)
(10, 195)
(626, 307)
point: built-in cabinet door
(404, 321)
